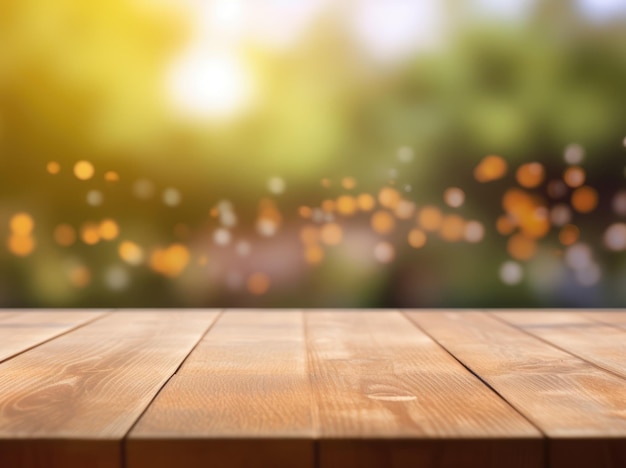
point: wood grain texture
(385, 392)
(566, 397)
(615, 318)
(313, 389)
(595, 342)
(87, 388)
(20, 331)
(241, 399)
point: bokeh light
(574, 176)
(170, 261)
(454, 197)
(569, 234)
(490, 168)
(21, 224)
(209, 84)
(383, 222)
(615, 237)
(474, 231)
(131, 253)
(21, 245)
(511, 273)
(296, 154)
(530, 175)
(585, 199)
(258, 283)
(430, 218)
(574, 154)
(65, 235)
(83, 170)
(452, 228)
(53, 167)
(109, 229)
(384, 252)
(95, 198)
(171, 197)
(331, 234)
(417, 238)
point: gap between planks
(473, 372)
(343, 380)
(89, 386)
(40, 327)
(381, 392)
(602, 345)
(579, 406)
(123, 449)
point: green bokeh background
(80, 80)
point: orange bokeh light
(258, 283)
(90, 233)
(309, 235)
(313, 254)
(585, 199)
(365, 202)
(170, 261)
(521, 247)
(131, 252)
(111, 176)
(530, 175)
(389, 197)
(346, 205)
(64, 235)
(417, 238)
(21, 224)
(430, 218)
(574, 176)
(452, 228)
(569, 234)
(21, 245)
(382, 222)
(505, 225)
(53, 167)
(490, 168)
(83, 170)
(109, 229)
(348, 183)
(331, 234)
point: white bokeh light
(615, 237)
(394, 29)
(511, 273)
(602, 10)
(209, 84)
(222, 236)
(509, 10)
(276, 185)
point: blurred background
(310, 153)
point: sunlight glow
(394, 29)
(208, 84)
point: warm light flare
(209, 84)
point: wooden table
(252, 388)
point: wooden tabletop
(315, 388)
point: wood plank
(387, 395)
(615, 318)
(579, 406)
(71, 400)
(242, 399)
(22, 330)
(595, 342)
(6, 313)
